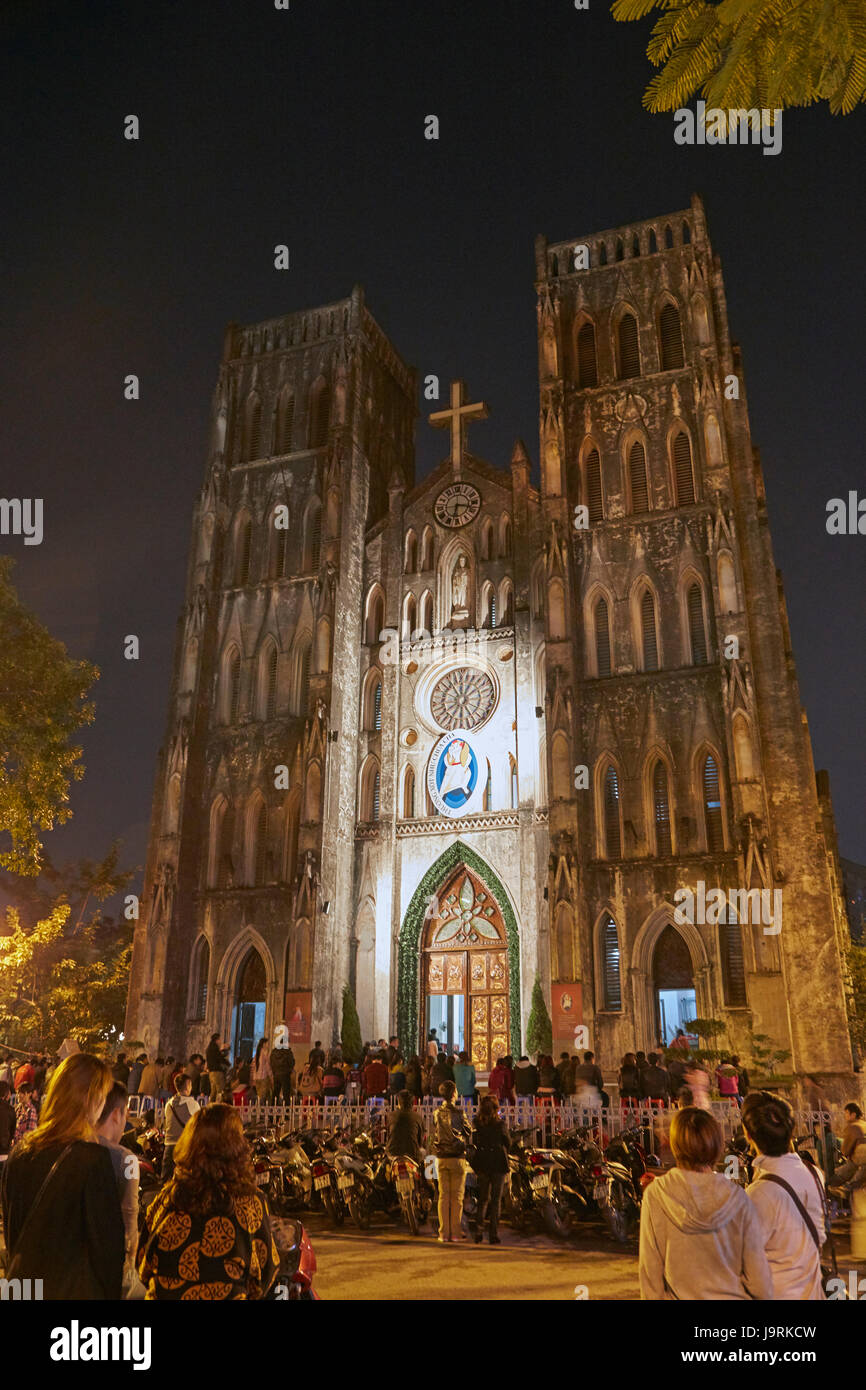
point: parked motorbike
(534, 1192)
(297, 1263)
(620, 1180)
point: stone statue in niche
(460, 589)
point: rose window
(462, 699)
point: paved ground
(387, 1263)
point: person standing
(375, 1079)
(282, 1060)
(311, 1081)
(61, 1211)
(525, 1078)
(432, 1044)
(217, 1063)
(464, 1078)
(788, 1198)
(564, 1076)
(440, 1071)
(109, 1129)
(317, 1056)
(629, 1082)
(149, 1084)
(120, 1070)
(547, 1078)
(413, 1077)
(25, 1075)
(742, 1079)
(655, 1082)
(700, 1235)
(208, 1233)
(262, 1076)
(450, 1132)
(334, 1078)
(728, 1081)
(396, 1073)
(851, 1172)
(178, 1113)
(26, 1113)
(405, 1130)
(7, 1121)
(490, 1163)
(135, 1071)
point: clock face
(457, 505)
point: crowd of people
(69, 1175)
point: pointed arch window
(629, 350)
(260, 846)
(270, 684)
(649, 636)
(233, 686)
(277, 549)
(410, 564)
(427, 549)
(375, 616)
(200, 972)
(611, 989)
(612, 833)
(733, 965)
(637, 477)
(487, 803)
(662, 810)
(635, 245)
(290, 860)
(670, 338)
(687, 234)
(313, 540)
(409, 794)
(602, 253)
(602, 639)
(508, 606)
(490, 607)
(252, 436)
(425, 613)
(653, 242)
(375, 805)
(320, 410)
(587, 358)
(377, 707)
(697, 630)
(619, 251)
(409, 617)
(594, 501)
(669, 238)
(243, 549)
(216, 847)
(684, 478)
(302, 700)
(487, 540)
(712, 805)
(285, 424)
(505, 539)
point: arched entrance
(464, 971)
(250, 1009)
(459, 964)
(673, 984)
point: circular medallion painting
(452, 773)
(462, 699)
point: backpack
(309, 1082)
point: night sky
(306, 127)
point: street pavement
(387, 1263)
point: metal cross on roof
(456, 419)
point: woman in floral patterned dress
(207, 1235)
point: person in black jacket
(655, 1082)
(61, 1208)
(525, 1078)
(490, 1163)
(7, 1121)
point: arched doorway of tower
(250, 1010)
(459, 964)
(673, 985)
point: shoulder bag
(830, 1271)
(15, 1263)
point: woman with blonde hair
(61, 1209)
(207, 1235)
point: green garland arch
(408, 955)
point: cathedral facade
(436, 740)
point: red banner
(569, 1033)
(299, 1015)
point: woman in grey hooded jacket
(699, 1233)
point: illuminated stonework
(462, 699)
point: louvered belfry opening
(610, 978)
(234, 687)
(252, 443)
(712, 806)
(285, 423)
(638, 477)
(202, 970)
(648, 632)
(662, 810)
(261, 851)
(587, 361)
(733, 966)
(271, 694)
(243, 552)
(602, 638)
(683, 474)
(670, 338)
(612, 836)
(594, 502)
(697, 631)
(629, 352)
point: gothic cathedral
(436, 740)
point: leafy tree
(754, 53)
(64, 967)
(766, 1056)
(350, 1029)
(539, 1029)
(43, 704)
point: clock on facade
(457, 505)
